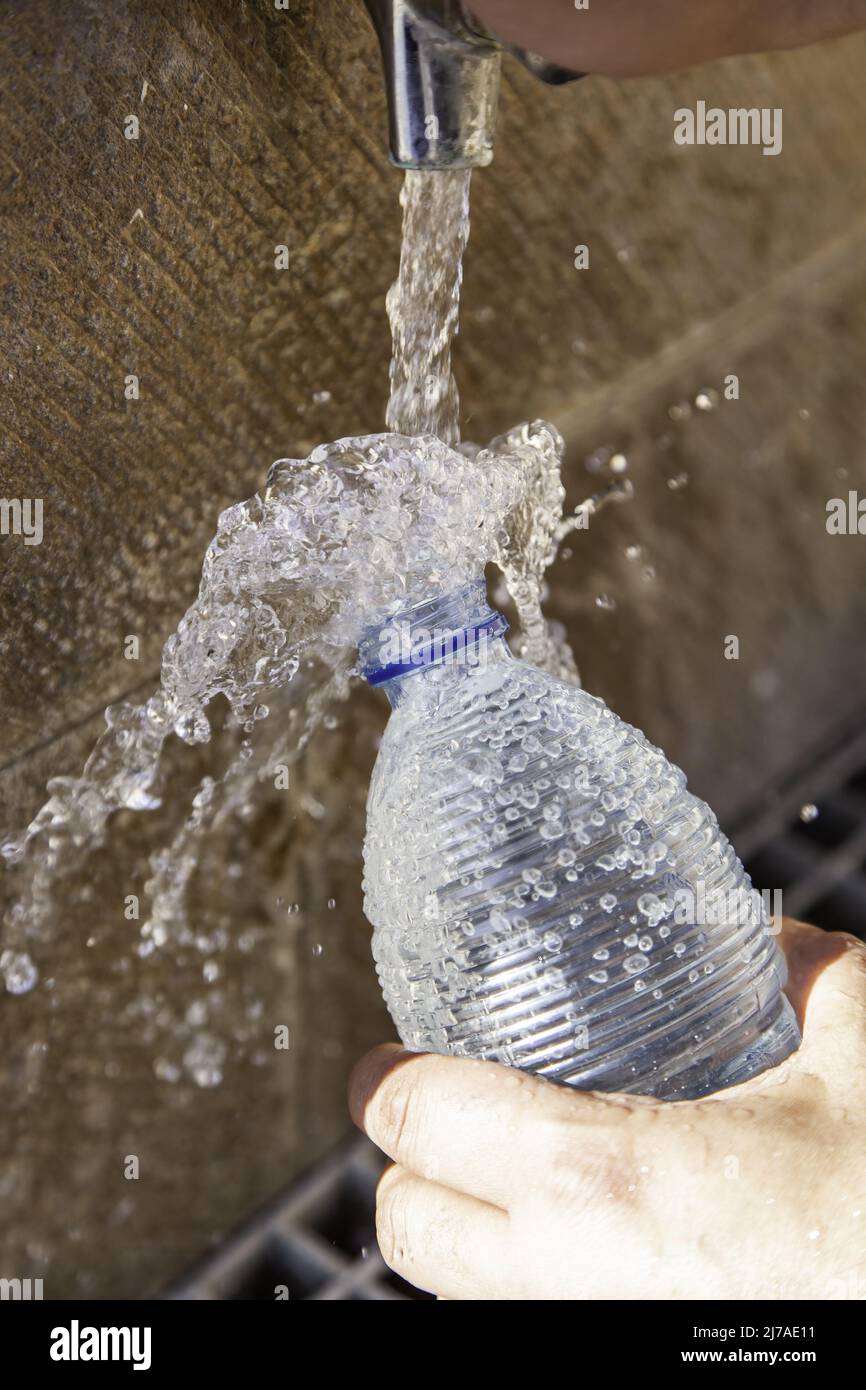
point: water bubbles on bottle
(650, 904)
(633, 964)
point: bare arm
(627, 38)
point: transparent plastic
(544, 889)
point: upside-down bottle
(544, 889)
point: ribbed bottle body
(547, 893)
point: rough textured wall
(155, 258)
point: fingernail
(368, 1074)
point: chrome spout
(442, 76)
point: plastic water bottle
(544, 889)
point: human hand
(625, 38)
(505, 1186)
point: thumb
(827, 988)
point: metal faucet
(442, 74)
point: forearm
(633, 37)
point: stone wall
(155, 257)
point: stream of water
(332, 543)
(424, 304)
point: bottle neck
(458, 632)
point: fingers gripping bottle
(544, 889)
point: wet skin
(504, 1186)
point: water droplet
(204, 1059)
(166, 1071)
(18, 971)
(635, 963)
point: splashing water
(334, 542)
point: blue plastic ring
(495, 626)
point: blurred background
(261, 127)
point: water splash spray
(292, 575)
